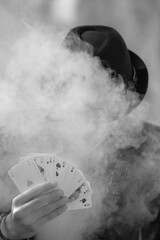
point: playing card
(50, 167)
(89, 185)
(61, 167)
(70, 171)
(80, 192)
(46, 164)
(53, 168)
(77, 180)
(25, 175)
(82, 203)
(39, 161)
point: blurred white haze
(53, 100)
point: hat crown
(95, 38)
(110, 47)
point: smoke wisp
(57, 100)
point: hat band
(135, 78)
(132, 85)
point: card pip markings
(50, 167)
(82, 191)
(68, 179)
(61, 167)
(25, 175)
(76, 182)
(81, 203)
(39, 161)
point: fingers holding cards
(38, 168)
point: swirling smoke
(64, 102)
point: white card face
(45, 163)
(61, 167)
(68, 178)
(50, 167)
(53, 168)
(39, 161)
(89, 185)
(76, 182)
(82, 191)
(36, 168)
(82, 203)
(25, 175)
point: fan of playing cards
(37, 168)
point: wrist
(6, 232)
(5, 229)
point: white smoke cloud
(65, 102)
(54, 100)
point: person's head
(110, 47)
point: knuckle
(40, 202)
(15, 201)
(16, 214)
(49, 198)
(51, 216)
(59, 204)
(56, 204)
(45, 210)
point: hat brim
(142, 74)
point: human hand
(33, 208)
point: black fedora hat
(110, 47)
